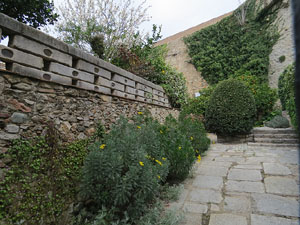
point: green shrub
(227, 47)
(198, 105)
(178, 149)
(41, 181)
(265, 97)
(278, 122)
(194, 130)
(122, 175)
(231, 109)
(286, 93)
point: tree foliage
(35, 13)
(117, 21)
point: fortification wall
(46, 80)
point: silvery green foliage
(118, 21)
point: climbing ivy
(231, 49)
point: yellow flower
(140, 113)
(158, 176)
(102, 146)
(163, 158)
(198, 158)
(197, 151)
(161, 131)
(141, 163)
(138, 127)
(192, 138)
(163, 72)
(159, 162)
(179, 148)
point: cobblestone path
(241, 185)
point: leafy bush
(265, 97)
(227, 47)
(197, 106)
(287, 93)
(41, 181)
(278, 122)
(147, 61)
(231, 109)
(122, 175)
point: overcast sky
(178, 15)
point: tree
(117, 21)
(35, 13)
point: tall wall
(47, 81)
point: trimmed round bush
(231, 109)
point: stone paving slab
(281, 186)
(208, 182)
(227, 219)
(268, 203)
(244, 186)
(205, 196)
(212, 171)
(195, 208)
(248, 166)
(244, 174)
(276, 169)
(271, 220)
(192, 219)
(237, 204)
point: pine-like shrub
(231, 109)
(124, 172)
(286, 86)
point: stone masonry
(242, 185)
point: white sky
(178, 15)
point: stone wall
(47, 81)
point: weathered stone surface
(275, 169)
(244, 174)
(123, 80)
(271, 220)
(227, 219)
(248, 166)
(19, 106)
(230, 159)
(192, 219)
(12, 128)
(268, 203)
(214, 163)
(88, 67)
(237, 204)
(205, 196)
(244, 186)
(208, 182)
(18, 118)
(2, 84)
(212, 171)
(195, 208)
(282, 186)
(7, 136)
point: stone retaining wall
(47, 81)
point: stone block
(195, 208)
(18, 118)
(103, 82)
(70, 72)
(244, 174)
(205, 196)
(281, 186)
(212, 171)
(130, 90)
(11, 55)
(92, 87)
(140, 99)
(12, 128)
(271, 220)
(227, 219)
(140, 93)
(274, 204)
(237, 204)
(208, 182)
(244, 186)
(88, 67)
(44, 51)
(41, 75)
(157, 92)
(276, 169)
(123, 80)
(144, 88)
(7, 136)
(117, 86)
(155, 97)
(123, 95)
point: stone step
(268, 130)
(272, 145)
(276, 140)
(277, 136)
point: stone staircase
(274, 137)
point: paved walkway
(241, 185)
